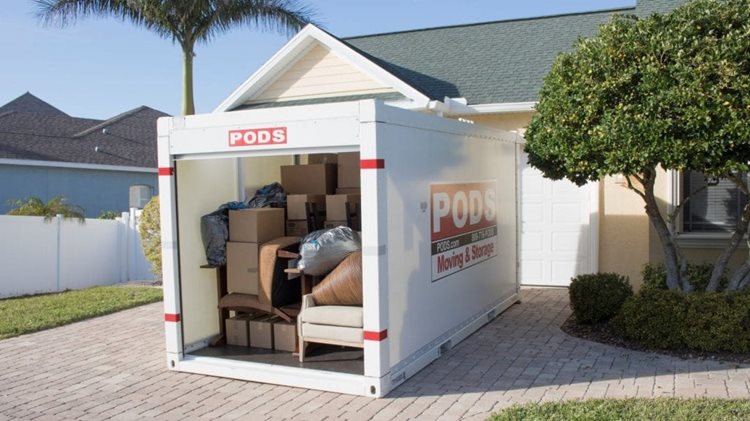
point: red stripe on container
(167, 171)
(372, 164)
(169, 317)
(376, 336)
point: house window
(715, 207)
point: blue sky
(98, 68)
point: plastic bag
(343, 286)
(268, 196)
(215, 233)
(323, 250)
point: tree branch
(632, 187)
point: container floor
(318, 357)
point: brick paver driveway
(114, 367)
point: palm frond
(58, 205)
(283, 16)
(138, 12)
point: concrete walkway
(113, 367)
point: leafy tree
(34, 206)
(669, 91)
(149, 229)
(185, 22)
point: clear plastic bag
(323, 250)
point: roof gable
(28, 103)
(319, 73)
(305, 53)
(480, 65)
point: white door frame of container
(592, 238)
(340, 125)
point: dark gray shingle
(494, 62)
(130, 138)
(28, 103)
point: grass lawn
(38, 312)
(630, 409)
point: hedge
(597, 297)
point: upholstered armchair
(335, 325)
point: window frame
(690, 240)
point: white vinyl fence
(38, 256)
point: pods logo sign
(257, 137)
(463, 221)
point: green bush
(717, 321)
(109, 215)
(701, 321)
(653, 318)
(150, 231)
(655, 276)
(598, 296)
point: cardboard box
(348, 190)
(242, 267)
(309, 179)
(322, 158)
(261, 332)
(297, 228)
(237, 330)
(348, 169)
(256, 225)
(284, 336)
(356, 226)
(296, 205)
(336, 206)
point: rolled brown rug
(343, 286)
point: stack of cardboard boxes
(248, 230)
(261, 331)
(306, 187)
(325, 193)
(344, 207)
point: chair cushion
(333, 316)
(348, 335)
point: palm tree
(34, 206)
(186, 22)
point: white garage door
(555, 229)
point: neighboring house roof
(31, 133)
(28, 103)
(487, 63)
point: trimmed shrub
(653, 317)
(717, 321)
(597, 297)
(655, 276)
(150, 230)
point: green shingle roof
(486, 63)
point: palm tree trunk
(188, 105)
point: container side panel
(443, 173)
(202, 186)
